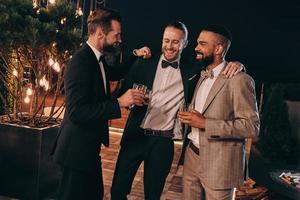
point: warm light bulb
(42, 81)
(47, 85)
(29, 91)
(63, 20)
(26, 99)
(79, 12)
(15, 73)
(51, 1)
(56, 67)
(51, 61)
(34, 5)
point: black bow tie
(101, 59)
(165, 64)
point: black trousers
(79, 185)
(157, 154)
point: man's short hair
(179, 25)
(102, 17)
(226, 38)
(219, 30)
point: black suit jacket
(143, 72)
(88, 109)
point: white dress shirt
(167, 95)
(201, 97)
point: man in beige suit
(224, 115)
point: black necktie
(165, 64)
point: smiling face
(173, 43)
(206, 47)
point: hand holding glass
(141, 87)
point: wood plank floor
(172, 189)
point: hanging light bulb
(42, 81)
(79, 12)
(63, 20)
(56, 67)
(51, 61)
(27, 99)
(51, 1)
(47, 85)
(15, 73)
(34, 4)
(29, 91)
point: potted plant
(36, 43)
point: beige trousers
(193, 187)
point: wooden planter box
(26, 167)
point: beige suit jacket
(231, 117)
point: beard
(114, 48)
(205, 61)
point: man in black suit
(89, 107)
(149, 130)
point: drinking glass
(141, 87)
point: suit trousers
(78, 184)
(157, 154)
(193, 186)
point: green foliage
(276, 139)
(29, 39)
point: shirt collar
(96, 52)
(217, 70)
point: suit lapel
(196, 90)
(218, 84)
(185, 79)
(150, 70)
(95, 66)
(105, 66)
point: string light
(79, 12)
(34, 4)
(15, 73)
(63, 20)
(47, 85)
(27, 99)
(56, 67)
(52, 1)
(29, 92)
(51, 61)
(42, 81)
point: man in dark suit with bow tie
(89, 107)
(149, 130)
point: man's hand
(132, 96)
(192, 118)
(144, 52)
(233, 68)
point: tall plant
(35, 46)
(276, 139)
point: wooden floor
(172, 189)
